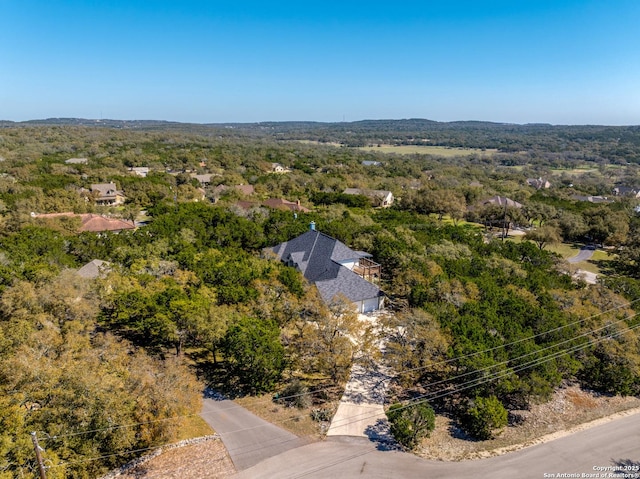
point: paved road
(248, 438)
(608, 445)
(585, 253)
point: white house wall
(370, 305)
(349, 264)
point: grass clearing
(193, 426)
(599, 263)
(428, 150)
(297, 421)
(574, 171)
(566, 250)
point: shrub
(295, 394)
(321, 414)
(411, 424)
(484, 417)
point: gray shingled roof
(318, 257)
(94, 269)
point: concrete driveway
(361, 409)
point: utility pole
(43, 473)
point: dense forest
(189, 297)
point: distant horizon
(558, 62)
(98, 120)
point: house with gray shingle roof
(94, 269)
(502, 201)
(627, 191)
(334, 268)
(107, 194)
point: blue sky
(519, 61)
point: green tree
(255, 354)
(441, 202)
(543, 236)
(484, 417)
(415, 340)
(411, 423)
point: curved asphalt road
(585, 253)
(612, 445)
(248, 438)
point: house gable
(327, 263)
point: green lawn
(574, 171)
(597, 264)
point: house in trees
(88, 222)
(244, 190)
(379, 198)
(334, 268)
(204, 180)
(626, 191)
(107, 194)
(538, 183)
(142, 171)
(501, 201)
(279, 168)
(592, 199)
(94, 269)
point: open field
(321, 143)
(428, 150)
(583, 170)
(574, 171)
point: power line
(106, 456)
(517, 341)
(410, 403)
(283, 398)
(495, 348)
(511, 360)
(550, 357)
(500, 374)
(117, 426)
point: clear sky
(519, 61)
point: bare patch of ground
(295, 420)
(571, 409)
(208, 459)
